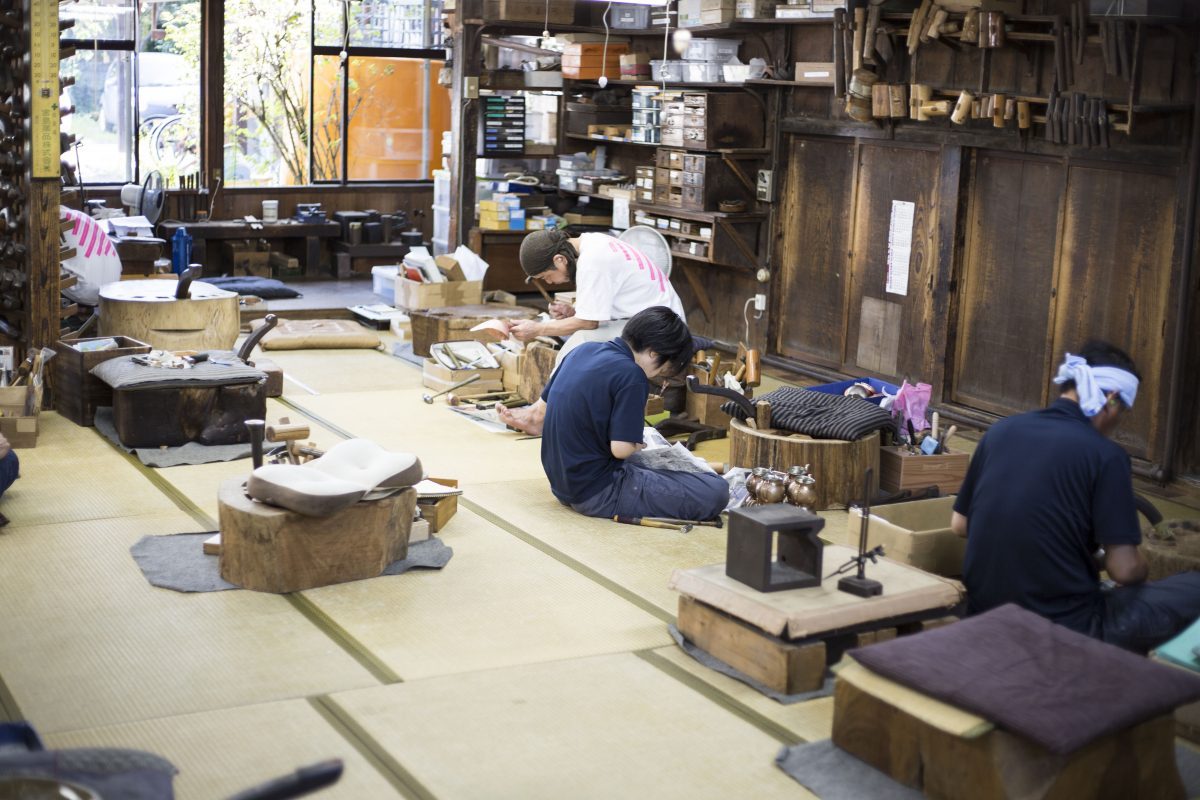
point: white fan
(652, 244)
(146, 200)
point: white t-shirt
(614, 280)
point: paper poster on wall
(900, 232)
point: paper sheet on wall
(899, 246)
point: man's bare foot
(527, 419)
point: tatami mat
(221, 752)
(88, 642)
(604, 727)
(803, 722)
(499, 602)
(75, 475)
(638, 559)
(334, 371)
(448, 445)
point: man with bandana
(1048, 501)
(613, 281)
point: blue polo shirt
(596, 396)
(1043, 491)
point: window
(137, 88)
(297, 112)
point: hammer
(428, 398)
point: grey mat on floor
(178, 562)
(404, 352)
(720, 666)
(831, 773)
(190, 453)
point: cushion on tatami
(222, 752)
(305, 334)
(88, 642)
(639, 559)
(603, 727)
(449, 445)
(335, 371)
(808, 721)
(499, 602)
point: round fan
(146, 200)
(652, 244)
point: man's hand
(561, 310)
(526, 330)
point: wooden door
(1115, 281)
(814, 261)
(1005, 293)
(888, 333)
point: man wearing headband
(613, 281)
(1048, 501)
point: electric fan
(146, 200)
(652, 244)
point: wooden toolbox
(899, 469)
(718, 120)
(437, 511)
(78, 393)
(454, 323)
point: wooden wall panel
(1005, 291)
(887, 173)
(727, 291)
(1115, 280)
(814, 216)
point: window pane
(329, 22)
(268, 58)
(396, 23)
(169, 88)
(397, 116)
(97, 19)
(327, 119)
(103, 118)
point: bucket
(858, 99)
(270, 211)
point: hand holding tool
(428, 398)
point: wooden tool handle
(287, 431)
(762, 415)
(753, 373)
(860, 27)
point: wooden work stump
(536, 367)
(208, 319)
(271, 549)
(1171, 548)
(837, 465)
(947, 752)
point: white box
(383, 282)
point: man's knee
(714, 498)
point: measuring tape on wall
(45, 146)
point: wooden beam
(698, 288)
(212, 91)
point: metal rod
(256, 427)
(866, 521)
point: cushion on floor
(305, 491)
(266, 288)
(362, 462)
(316, 334)
(1040, 680)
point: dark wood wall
(1021, 248)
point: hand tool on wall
(269, 322)
(428, 398)
(652, 523)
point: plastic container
(181, 250)
(740, 73)
(718, 50)
(441, 187)
(270, 211)
(383, 282)
(629, 16)
(702, 72)
(881, 388)
(667, 70)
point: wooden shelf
(607, 140)
(586, 194)
(681, 86)
(700, 216)
(726, 151)
(724, 27)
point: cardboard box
(814, 73)
(916, 533)
(78, 393)
(20, 430)
(438, 511)
(449, 266)
(755, 9)
(412, 295)
(898, 469)
(437, 377)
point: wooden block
(535, 370)
(212, 545)
(439, 511)
(270, 549)
(1137, 762)
(872, 637)
(274, 385)
(779, 665)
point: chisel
(652, 523)
(710, 523)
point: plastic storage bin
(702, 72)
(667, 70)
(881, 387)
(718, 50)
(383, 282)
(627, 15)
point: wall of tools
(1034, 164)
(31, 173)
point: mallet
(428, 398)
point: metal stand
(860, 585)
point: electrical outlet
(470, 88)
(760, 302)
(765, 189)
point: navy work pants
(640, 492)
(1142, 617)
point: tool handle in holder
(288, 431)
(256, 440)
(183, 289)
(745, 405)
(270, 321)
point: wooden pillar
(212, 91)
(465, 115)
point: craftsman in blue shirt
(595, 415)
(1048, 489)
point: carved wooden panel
(814, 218)
(1005, 289)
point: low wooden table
(347, 256)
(311, 232)
(785, 640)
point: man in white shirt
(613, 281)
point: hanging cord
(666, 43)
(545, 24)
(746, 315)
(604, 56)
